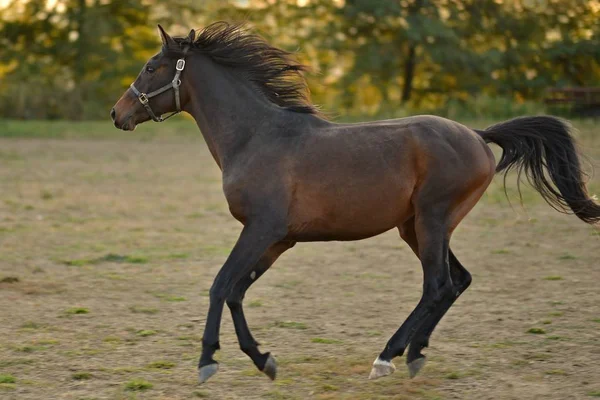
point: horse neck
(227, 109)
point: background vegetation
(71, 59)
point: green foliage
(463, 59)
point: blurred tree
(72, 58)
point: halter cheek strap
(144, 98)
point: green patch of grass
(251, 372)
(46, 195)
(374, 333)
(500, 251)
(556, 372)
(168, 297)
(195, 215)
(16, 361)
(200, 394)
(555, 337)
(453, 375)
(114, 276)
(594, 393)
(536, 331)
(136, 259)
(161, 365)
(81, 376)
(557, 303)
(111, 339)
(255, 303)
(290, 325)
(146, 332)
(178, 255)
(547, 322)
(77, 262)
(143, 310)
(217, 250)
(7, 386)
(330, 388)
(77, 310)
(556, 314)
(325, 341)
(110, 257)
(553, 278)
(9, 279)
(7, 379)
(137, 385)
(27, 349)
(30, 325)
(567, 256)
(596, 320)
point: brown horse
(291, 176)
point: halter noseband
(175, 83)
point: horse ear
(167, 40)
(191, 36)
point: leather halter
(174, 84)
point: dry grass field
(109, 242)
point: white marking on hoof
(253, 275)
(381, 368)
(207, 371)
(415, 366)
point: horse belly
(350, 212)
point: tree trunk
(80, 59)
(411, 59)
(409, 72)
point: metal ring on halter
(144, 98)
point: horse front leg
(264, 362)
(254, 241)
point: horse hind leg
(460, 280)
(426, 235)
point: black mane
(276, 73)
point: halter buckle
(143, 98)
(180, 64)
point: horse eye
(150, 69)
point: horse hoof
(415, 366)
(205, 372)
(381, 368)
(270, 368)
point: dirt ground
(108, 247)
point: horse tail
(543, 148)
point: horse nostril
(113, 114)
